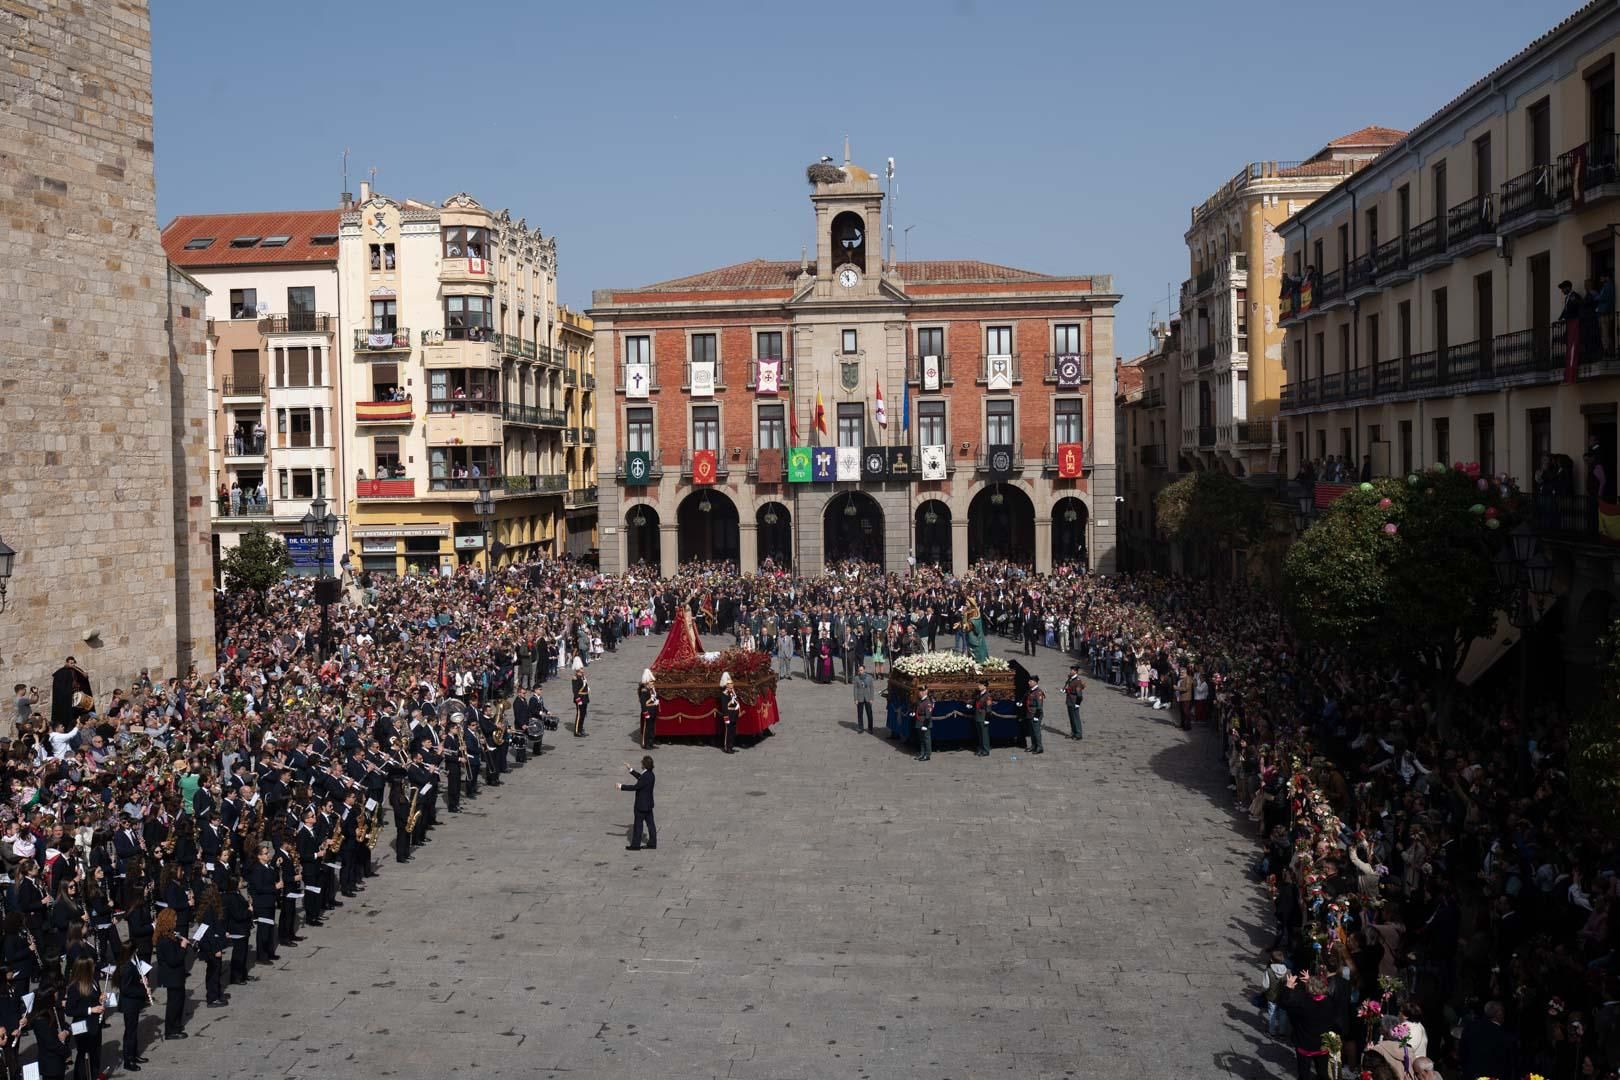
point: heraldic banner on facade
(900, 462)
(849, 463)
(999, 462)
(768, 466)
(933, 462)
(768, 378)
(1069, 370)
(799, 465)
(703, 378)
(637, 380)
(998, 372)
(705, 466)
(1071, 458)
(637, 467)
(930, 373)
(873, 462)
(822, 465)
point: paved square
(820, 905)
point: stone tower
(103, 392)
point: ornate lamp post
(484, 507)
(1527, 574)
(321, 525)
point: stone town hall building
(994, 438)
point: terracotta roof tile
(299, 226)
(766, 274)
(1369, 136)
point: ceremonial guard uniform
(648, 693)
(730, 710)
(1074, 693)
(582, 701)
(981, 718)
(923, 713)
(1035, 710)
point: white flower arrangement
(935, 664)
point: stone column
(748, 546)
(959, 545)
(1043, 545)
(669, 548)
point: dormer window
(198, 243)
(244, 241)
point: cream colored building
(273, 375)
(1231, 360)
(577, 336)
(1149, 420)
(1427, 327)
(451, 352)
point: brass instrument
(414, 813)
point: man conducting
(643, 787)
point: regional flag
(821, 413)
(880, 411)
(1070, 457)
(705, 466)
(799, 465)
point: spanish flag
(1608, 521)
(821, 413)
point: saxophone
(414, 812)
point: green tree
(1399, 570)
(256, 563)
(1594, 745)
(1210, 511)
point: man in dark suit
(643, 787)
(1487, 1047)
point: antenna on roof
(347, 199)
(889, 172)
(846, 149)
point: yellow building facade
(1425, 319)
(577, 335)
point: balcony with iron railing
(1529, 199)
(1361, 276)
(1153, 455)
(1257, 433)
(249, 386)
(1053, 362)
(990, 361)
(587, 436)
(1051, 460)
(297, 322)
(1153, 397)
(1206, 356)
(1389, 260)
(455, 406)
(914, 369)
(584, 496)
(570, 436)
(1425, 240)
(783, 372)
(1206, 436)
(382, 341)
(619, 376)
(1329, 290)
(1206, 279)
(244, 505)
(395, 488)
(657, 463)
(722, 465)
(981, 456)
(1471, 225)
(570, 378)
(241, 447)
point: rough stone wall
(104, 505)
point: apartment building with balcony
(1231, 360)
(1424, 322)
(577, 339)
(450, 346)
(1149, 410)
(844, 405)
(274, 380)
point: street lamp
(321, 525)
(7, 557)
(1524, 572)
(484, 507)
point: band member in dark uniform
(730, 712)
(643, 787)
(134, 995)
(582, 701)
(648, 693)
(264, 884)
(1074, 694)
(401, 803)
(452, 761)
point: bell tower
(849, 229)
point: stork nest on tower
(823, 172)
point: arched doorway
(641, 536)
(852, 528)
(1001, 525)
(775, 535)
(1069, 532)
(932, 534)
(706, 524)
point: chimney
(346, 200)
(365, 192)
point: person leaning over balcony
(1603, 305)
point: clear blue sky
(658, 139)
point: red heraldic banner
(1070, 460)
(704, 466)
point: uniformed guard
(981, 718)
(1035, 709)
(648, 693)
(923, 712)
(582, 701)
(1074, 693)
